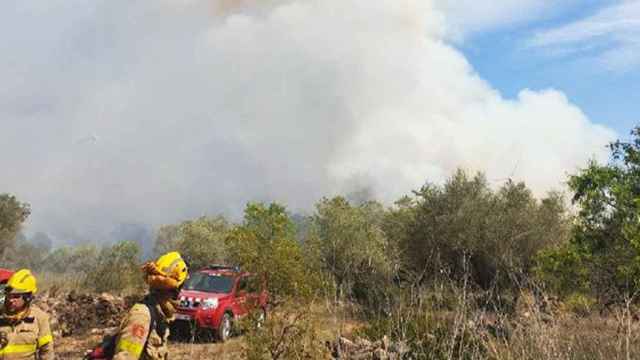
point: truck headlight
(210, 304)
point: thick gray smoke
(155, 111)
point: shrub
(579, 304)
(354, 250)
(265, 244)
(465, 227)
(117, 269)
(430, 332)
(24, 254)
(201, 241)
(562, 270)
(290, 333)
(78, 260)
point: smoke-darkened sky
(155, 111)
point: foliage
(77, 260)
(288, 334)
(562, 270)
(200, 241)
(354, 249)
(579, 304)
(265, 244)
(465, 227)
(604, 252)
(116, 269)
(12, 214)
(430, 332)
(24, 254)
(398, 221)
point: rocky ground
(79, 321)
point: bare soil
(74, 347)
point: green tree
(12, 214)
(265, 244)
(200, 241)
(354, 249)
(398, 220)
(604, 253)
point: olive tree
(12, 214)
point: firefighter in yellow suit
(24, 328)
(144, 331)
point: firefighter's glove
(4, 340)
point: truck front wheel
(226, 326)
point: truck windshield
(209, 283)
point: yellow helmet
(22, 282)
(174, 266)
(168, 272)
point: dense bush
(354, 250)
(466, 228)
(117, 268)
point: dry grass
(74, 347)
(326, 322)
(60, 282)
(565, 335)
(529, 333)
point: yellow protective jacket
(131, 340)
(29, 338)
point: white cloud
(192, 109)
(612, 36)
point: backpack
(106, 350)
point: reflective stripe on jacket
(132, 336)
(29, 339)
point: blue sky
(510, 59)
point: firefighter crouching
(24, 328)
(144, 332)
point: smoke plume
(155, 111)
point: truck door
(241, 297)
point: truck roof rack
(235, 268)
